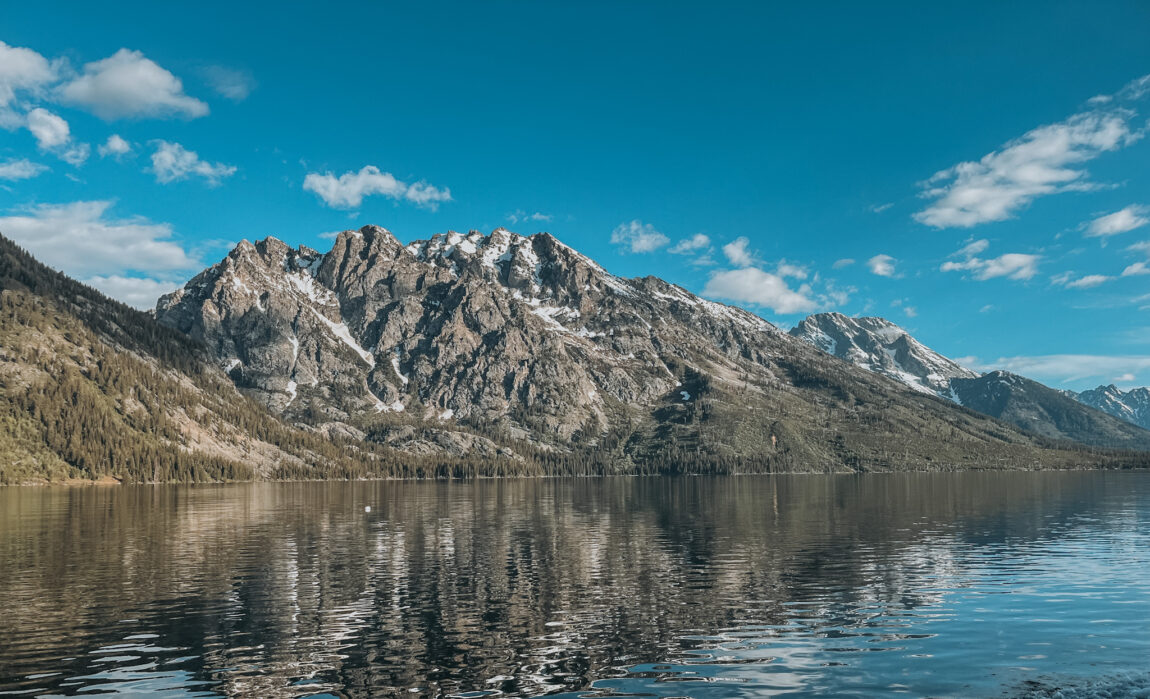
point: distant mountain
(1132, 406)
(1046, 411)
(882, 347)
(878, 345)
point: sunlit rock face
(502, 344)
(458, 327)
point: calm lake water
(921, 585)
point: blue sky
(976, 172)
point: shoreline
(108, 481)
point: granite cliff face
(521, 331)
(510, 345)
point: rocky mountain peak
(878, 345)
(454, 327)
(1132, 405)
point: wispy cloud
(844, 262)
(348, 190)
(172, 162)
(1013, 265)
(519, 215)
(1121, 221)
(1136, 270)
(1088, 281)
(638, 237)
(691, 245)
(232, 83)
(1059, 368)
(21, 169)
(1044, 161)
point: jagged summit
(879, 345)
(1132, 406)
(453, 327)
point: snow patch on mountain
(882, 347)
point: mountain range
(472, 354)
(1132, 405)
(1104, 417)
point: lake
(967, 584)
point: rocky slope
(879, 345)
(1046, 411)
(882, 347)
(90, 389)
(1132, 406)
(482, 342)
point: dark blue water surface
(968, 584)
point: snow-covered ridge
(1132, 406)
(879, 346)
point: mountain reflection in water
(929, 584)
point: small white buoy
(367, 509)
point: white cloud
(1046, 160)
(638, 237)
(1128, 219)
(910, 311)
(21, 70)
(690, 245)
(115, 146)
(973, 248)
(231, 83)
(1136, 270)
(127, 84)
(519, 215)
(1067, 367)
(348, 190)
(879, 208)
(20, 169)
(1136, 89)
(50, 130)
(786, 269)
(53, 135)
(844, 262)
(171, 162)
(882, 265)
(127, 258)
(1088, 282)
(759, 288)
(1012, 265)
(738, 253)
(139, 292)
(1143, 247)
